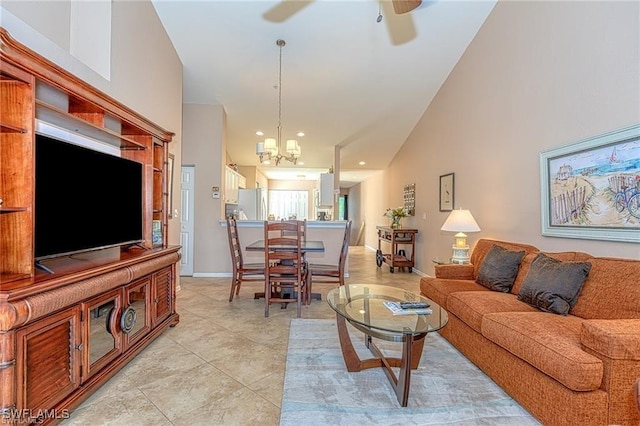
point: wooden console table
(398, 257)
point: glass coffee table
(362, 306)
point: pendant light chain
(270, 148)
(281, 44)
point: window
(285, 204)
(342, 207)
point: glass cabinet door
(101, 334)
(136, 316)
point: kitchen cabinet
(325, 190)
(233, 182)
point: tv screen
(85, 199)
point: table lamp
(460, 221)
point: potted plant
(395, 215)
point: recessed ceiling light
(362, 163)
(300, 134)
(260, 133)
(301, 163)
(266, 162)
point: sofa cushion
(551, 343)
(470, 306)
(438, 289)
(615, 339)
(553, 285)
(454, 271)
(611, 291)
(499, 268)
(528, 259)
(483, 246)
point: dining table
(307, 246)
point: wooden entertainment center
(63, 334)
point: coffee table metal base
(412, 345)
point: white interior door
(187, 190)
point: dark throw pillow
(499, 268)
(552, 285)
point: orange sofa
(574, 369)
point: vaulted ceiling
(348, 81)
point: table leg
(404, 378)
(412, 347)
(351, 358)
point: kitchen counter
(310, 224)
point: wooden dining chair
(286, 272)
(322, 273)
(241, 271)
(303, 236)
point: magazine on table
(396, 309)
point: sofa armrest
(617, 339)
(455, 271)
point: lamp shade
(460, 221)
(292, 146)
(271, 146)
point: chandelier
(271, 148)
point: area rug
(446, 389)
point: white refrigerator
(253, 203)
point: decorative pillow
(499, 268)
(552, 285)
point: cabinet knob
(128, 320)
(79, 347)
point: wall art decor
(591, 189)
(409, 199)
(446, 192)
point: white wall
(204, 147)
(538, 75)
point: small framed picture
(446, 192)
(156, 232)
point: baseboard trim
(212, 275)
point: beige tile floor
(224, 362)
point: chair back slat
(284, 261)
(332, 273)
(241, 272)
(345, 248)
(234, 244)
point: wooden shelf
(12, 209)
(51, 114)
(8, 128)
(7, 277)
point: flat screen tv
(84, 199)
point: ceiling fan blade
(400, 28)
(285, 10)
(404, 6)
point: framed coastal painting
(446, 192)
(591, 189)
